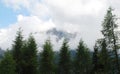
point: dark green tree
(65, 59)
(47, 59)
(105, 59)
(82, 59)
(7, 64)
(29, 54)
(110, 34)
(16, 51)
(95, 60)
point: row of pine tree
(23, 58)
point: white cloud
(82, 16)
(20, 18)
(16, 4)
(34, 7)
(77, 7)
(34, 24)
(29, 24)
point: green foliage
(16, 51)
(65, 59)
(110, 34)
(105, 59)
(7, 64)
(47, 59)
(82, 59)
(29, 54)
(109, 26)
(95, 60)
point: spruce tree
(16, 51)
(110, 34)
(64, 59)
(7, 64)
(29, 54)
(82, 59)
(47, 59)
(105, 58)
(95, 60)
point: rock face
(61, 34)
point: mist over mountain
(61, 34)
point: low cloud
(73, 16)
(29, 24)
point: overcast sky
(82, 16)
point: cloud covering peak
(83, 17)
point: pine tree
(65, 59)
(16, 51)
(105, 58)
(47, 59)
(7, 64)
(111, 35)
(29, 54)
(95, 60)
(82, 59)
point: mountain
(1, 53)
(61, 34)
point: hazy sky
(82, 16)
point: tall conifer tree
(65, 59)
(111, 35)
(82, 59)
(47, 59)
(16, 51)
(105, 58)
(7, 64)
(29, 54)
(95, 60)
